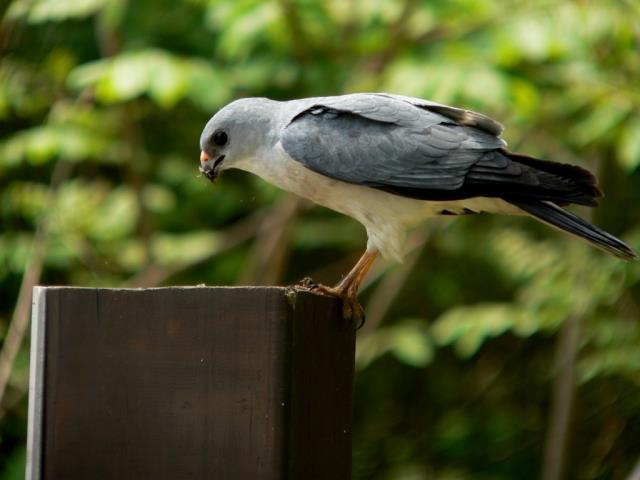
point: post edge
(315, 462)
(36, 385)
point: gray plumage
(405, 147)
(422, 158)
(426, 151)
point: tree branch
(562, 399)
(20, 318)
(269, 252)
(239, 232)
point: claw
(351, 308)
(347, 289)
(353, 311)
(308, 283)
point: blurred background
(499, 349)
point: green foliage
(165, 78)
(102, 103)
(408, 341)
(40, 11)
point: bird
(391, 162)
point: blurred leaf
(38, 11)
(26, 199)
(409, 342)
(41, 144)
(530, 37)
(244, 25)
(611, 349)
(310, 233)
(629, 145)
(159, 199)
(15, 251)
(208, 86)
(166, 78)
(94, 211)
(183, 248)
(601, 121)
(22, 91)
(613, 361)
(116, 215)
(466, 328)
(15, 467)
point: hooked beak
(209, 167)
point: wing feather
(385, 146)
(423, 150)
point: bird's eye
(220, 138)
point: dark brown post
(189, 383)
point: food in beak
(209, 167)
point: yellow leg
(350, 284)
(347, 289)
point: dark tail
(550, 213)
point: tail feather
(550, 213)
(564, 183)
(583, 179)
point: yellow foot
(351, 308)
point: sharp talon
(353, 311)
(307, 282)
(351, 308)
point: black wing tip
(552, 214)
(624, 251)
(630, 256)
(586, 191)
(620, 249)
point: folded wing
(426, 151)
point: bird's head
(233, 135)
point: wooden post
(189, 383)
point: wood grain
(190, 383)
